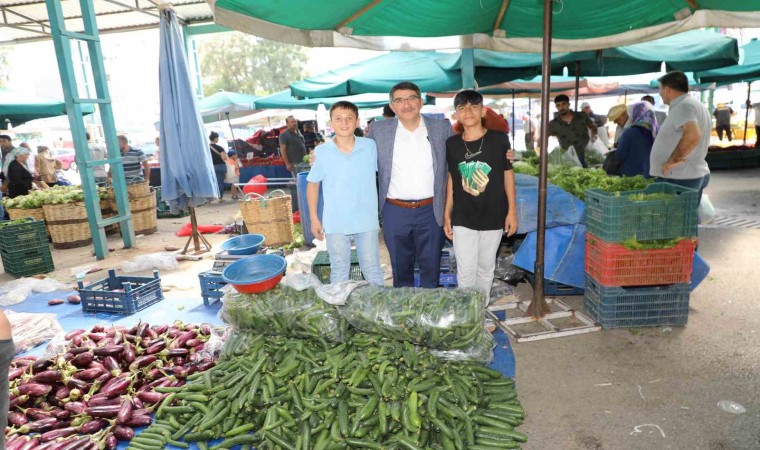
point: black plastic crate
(24, 263)
(121, 294)
(321, 267)
(211, 286)
(553, 288)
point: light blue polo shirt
(348, 186)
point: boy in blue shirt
(346, 168)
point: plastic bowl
(245, 244)
(255, 274)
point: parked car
(66, 156)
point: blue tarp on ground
(561, 208)
(564, 254)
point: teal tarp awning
(747, 70)
(283, 100)
(488, 24)
(18, 108)
(216, 106)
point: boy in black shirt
(480, 194)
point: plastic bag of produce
(443, 319)
(284, 311)
(30, 330)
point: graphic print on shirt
(475, 174)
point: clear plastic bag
(30, 330)
(506, 271)
(215, 343)
(481, 351)
(153, 261)
(286, 312)
(443, 319)
(17, 291)
(500, 289)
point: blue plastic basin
(255, 273)
(245, 244)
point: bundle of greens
(55, 195)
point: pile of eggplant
(101, 386)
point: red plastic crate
(614, 265)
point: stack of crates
(24, 247)
(637, 288)
(321, 267)
(162, 208)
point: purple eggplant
(82, 360)
(38, 413)
(104, 377)
(96, 337)
(111, 442)
(70, 335)
(156, 346)
(173, 333)
(184, 337)
(160, 329)
(205, 329)
(139, 421)
(150, 396)
(129, 354)
(48, 376)
(142, 411)
(117, 387)
(62, 392)
(177, 352)
(75, 383)
(123, 433)
(34, 389)
(125, 412)
(97, 328)
(206, 365)
(76, 350)
(17, 401)
(179, 361)
(59, 433)
(109, 411)
(75, 407)
(110, 350)
(16, 418)
(41, 365)
(112, 365)
(88, 374)
(104, 401)
(92, 426)
(15, 373)
(61, 414)
(142, 361)
(138, 403)
(31, 444)
(38, 425)
(78, 340)
(142, 329)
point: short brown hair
(344, 105)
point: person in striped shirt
(136, 169)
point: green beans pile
(285, 312)
(442, 319)
(368, 393)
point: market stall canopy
(694, 84)
(747, 70)
(502, 25)
(690, 51)
(216, 107)
(283, 100)
(17, 108)
(432, 71)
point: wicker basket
(271, 216)
(68, 224)
(36, 214)
(144, 213)
(107, 211)
(134, 190)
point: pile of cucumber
(273, 392)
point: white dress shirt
(412, 167)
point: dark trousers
(294, 191)
(721, 128)
(757, 136)
(413, 235)
(220, 170)
(529, 140)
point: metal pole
(746, 113)
(538, 306)
(513, 118)
(577, 80)
(232, 133)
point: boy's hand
(510, 225)
(316, 229)
(468, 189)
(448, 230)
(511, 155)
(480, 179)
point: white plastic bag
(17, 291)
(595, 152)
(570, 158)
(706, 211)
(30, 330)
(160, 261)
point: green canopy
(514, 25)
(747, 70)
(688, 52)
(18, 108)
(694, 84)
(217, 106)
(283, 100)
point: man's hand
(289, 167)
(511, 155)
(448, 230)
(668, 167)
(316, 228)
(510, 225)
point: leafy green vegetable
(55, 195)
(642, 197)
(632, 244)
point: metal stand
(552, 330)
(196, 237)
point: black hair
(387, 111)
(648, 98)
(5, 136)
(213, 135)
(406, 86)
(87, 135)
(466, 96)
(561, 98)
(358, 132)
(676, 80)
(344, 105)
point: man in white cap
(618, 115)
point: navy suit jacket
(384, 134)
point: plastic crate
(27, 262)
(163, 212)
(447, 280)
(26, 234)
(211, 286)
(139, 293)
(615, 307)
(321, 267)
(553, 288)
(614, 265)
(614, 217)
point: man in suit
(411, 163)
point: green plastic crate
(614, 217)
(25, 263)
(163, 212)
(27, 233)
(321, 267)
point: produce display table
(276, 171)
(71, 317)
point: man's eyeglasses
(400, 101)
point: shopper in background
(47, 166)
(219, 159)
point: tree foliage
(239, 63)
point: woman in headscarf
(19, 178)
(635, 144)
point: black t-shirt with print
(487, 211)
